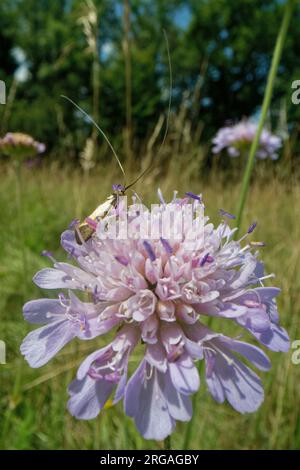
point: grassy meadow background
(220, 53)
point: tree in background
(237, 38)
(220, 53)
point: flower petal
(255, 355)
(155, 355)
(179, 405)
(275, 338)
(88, 397)
(85, 365)
(70, 245)
(42, 344)
(43, 310)
(184, 375)
(146, 403)
(51, 278)
(239, 384)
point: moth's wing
(101, 211)
(86, 232)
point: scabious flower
(157, 294)
(236, 139)
(20, 145)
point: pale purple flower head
(236, 139)
(157, 295)
(17, 144)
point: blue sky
(182, 16)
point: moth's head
(118, 189)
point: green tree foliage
(237, 39)
(223, 45)
(7, 61)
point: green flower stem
(167, 443)
(265, 106)
(20, 218)
(195, 399)
(190, 424)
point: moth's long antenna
(99, 129)
(168, 114)
(170, 92)
(139, 177)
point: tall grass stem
(20, 219)
(128, 81)
(265, 106)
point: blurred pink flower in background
(236, 139)
(19, 145)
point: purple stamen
(227, 214)
(149, 250)
(97, 297)
(166, 245)
(74, 223)
(252, 227)
(91, 223)
(193, 196)
(206, 259)
(122, 260)
(118, 188)
(47, 253)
